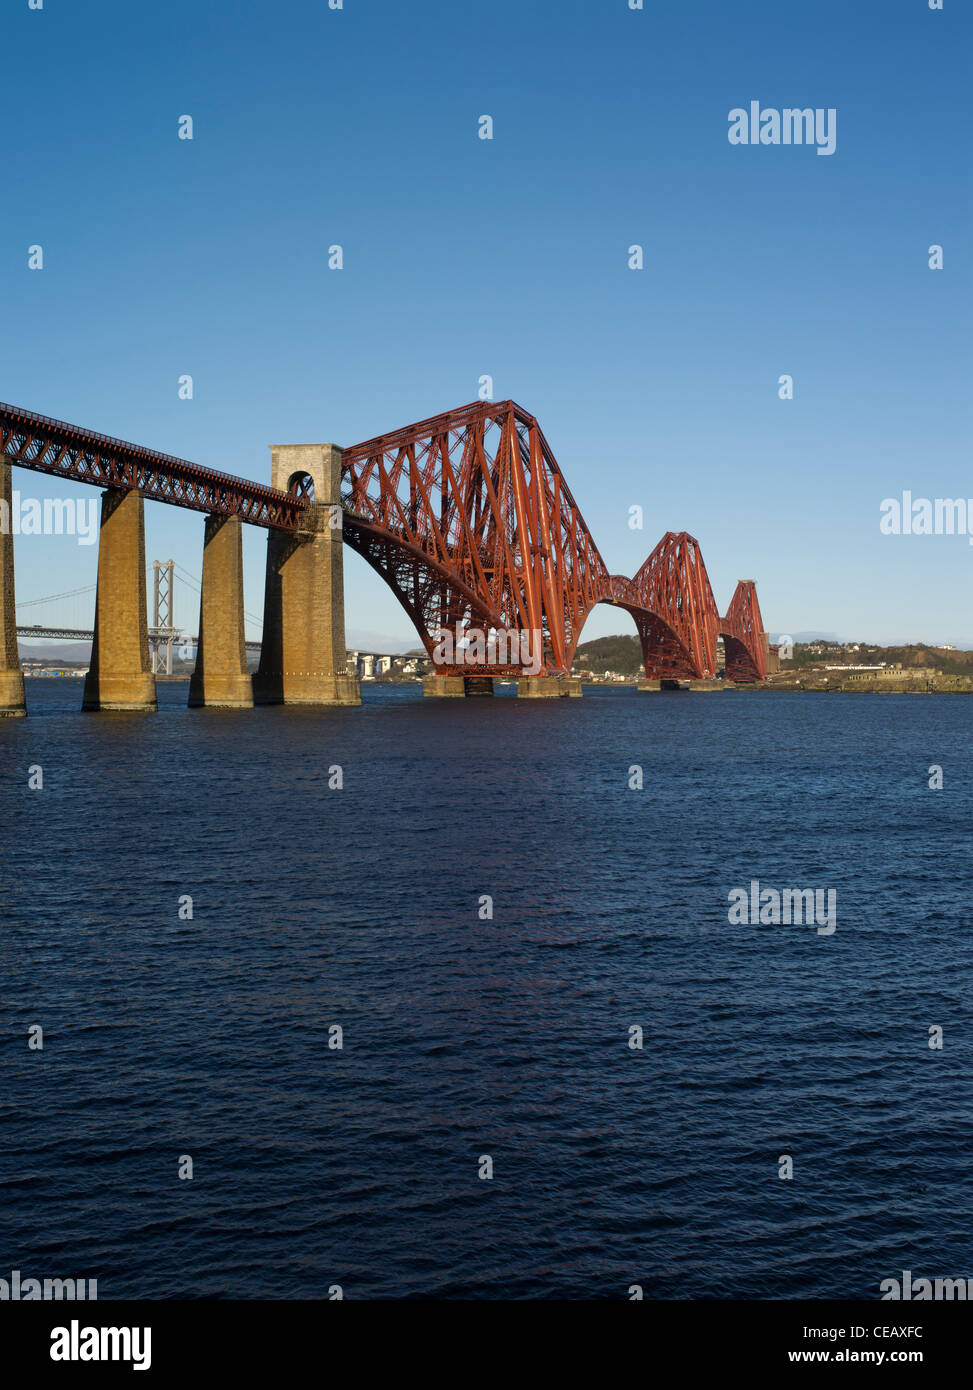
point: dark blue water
(466, 1037)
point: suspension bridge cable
(188, 578)
(50, 598)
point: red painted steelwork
(743, 638)
(468, 519)
(68, 451)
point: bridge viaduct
(466, 516)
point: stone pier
(221, 679)
(120, 675)
(549, 688)
(670, 684)
(457, 687)
(303, 657)
(12, 702)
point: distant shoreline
(945, 686)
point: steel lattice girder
(494, 538)
(742, 633)
(67, 451)
(468, 518)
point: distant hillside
(78, 653)
(955, 663)
(622, 653)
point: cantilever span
(469, 520)
(466, 516)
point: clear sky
(509, 257)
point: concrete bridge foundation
(12, 702)
(549, 688)
(120, 675)
(303, 657)
(457, 687)
(221, 679)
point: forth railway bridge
(466, 516)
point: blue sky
(508, 257)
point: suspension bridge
(63, 616)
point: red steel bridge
(468, 519)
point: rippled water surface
(466, 1037)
